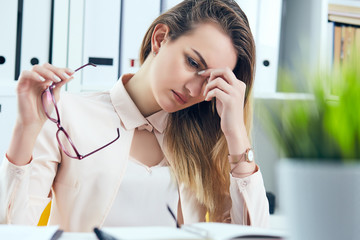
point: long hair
(193, 137)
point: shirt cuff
(14, 170)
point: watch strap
(234, 159)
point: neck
(139, 89)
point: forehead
(215, 46)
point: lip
(179, 97)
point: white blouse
(141, 187)
(83, 193)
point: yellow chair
(45, 215)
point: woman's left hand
(230, 98)
(230, 95)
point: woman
(187, 109)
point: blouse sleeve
(249, 202)
(26, 190)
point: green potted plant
(319, 138)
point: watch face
(250, 155)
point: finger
(206, 72)
(64, 74)
(218, 83)
(225, 73)
(46, 73)
(30, 75)
(218, 94)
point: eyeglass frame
(61, 128)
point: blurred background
(296, 35)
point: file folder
(250, 8)
(35, 41)
(166, 5)
(60, 33)
(137, 18)
(101, 44)
(8, 29)
(75, 42)
(267, 42)
(8, 113)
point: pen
(56, 235)
(173, 215)
(102, 235)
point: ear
(159, 37)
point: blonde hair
(193, 136)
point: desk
(90, 236)
(78, 236)
(216, 230)
(194, 231)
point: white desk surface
(277, 222)
(14, 232)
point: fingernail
(66, 76)
(201, 72)
(57, 79)
(70, 70)
(42, 79)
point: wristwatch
(247, 156)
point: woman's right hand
(30, 87)
(31, 116)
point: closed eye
(193, 63)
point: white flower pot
(320, 200)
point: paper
(158, 233)
(210, 231)
(16, 232)
(225, 231)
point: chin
(169, 107)
(170, 110)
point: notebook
(211, 231)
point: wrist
(24, 138)
(243, 164)
(242, 170)
(238, 142)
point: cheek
(170, 58)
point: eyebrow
(201, 58)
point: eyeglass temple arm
(118, 136)
(88, 64)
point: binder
(8, 29)
(267, 42)
(60, 33)
(101, 43)
(8, 113)
(250, 8)
(75, 43)
(137, 18)
(167, 4)
(35, 41)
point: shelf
(352, 3)
(344, 13)
(284, 96)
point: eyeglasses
(63, 138)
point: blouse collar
(129, 113)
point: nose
(195, 86)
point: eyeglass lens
(63, 138)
